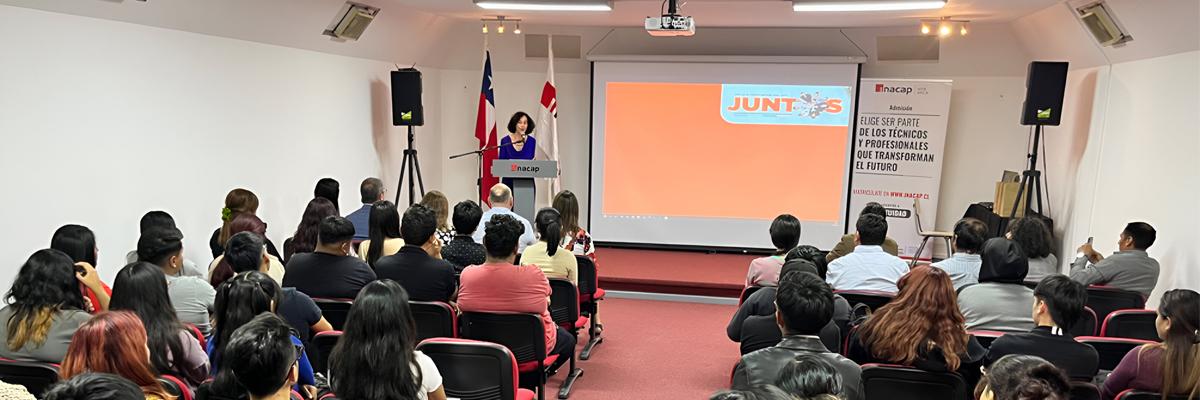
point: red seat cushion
(525, 394)
(532, 365)
(587, 298)
(581, 322)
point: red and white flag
(548, 121)
(485, 128)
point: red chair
(1111, 350)
(871, 298)
(1086, 326)
(1141, 395)
(334, 310)
(986, 338)
(1133, 324)
(564, 310)
(198, 335)
(434, 319)
(474, 370)
(522, 334)
(746, 292)
(1084, 391)
(894, 382)
(1104, 300)
(176, 387)
(321, 347)
(34, 376)
(590, 295)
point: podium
(523, 190)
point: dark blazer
(763, 366)
(1079, 360)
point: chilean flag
(485, 128)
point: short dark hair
(810, 253)
(1032, 235)
(805, 302)
(501, 234)
(95, 386)
(512, 122)
(874, 208)
(872, 229)
(335, 229)
(785, 232)
(1020, 376)
(244, 252)
(77, 241)
(1143, 234)
(466, 217)
(370, 189)
(328, 188)
(158, 245)
(155, 219)
(260, 354)
(418, 224)
(1064, 298)
(970, 234)
(809, 376)
(756, 392)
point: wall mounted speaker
(406, 98)
(1044, 88)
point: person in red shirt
(80, 244)
(498, 286)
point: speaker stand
(414, 171)
(1031, 180)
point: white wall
(103, 121)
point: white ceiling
(740, 13)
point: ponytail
(550, 228)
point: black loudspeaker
(1044, 93)
(406, 98)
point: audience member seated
(501, 200)
(1000, 301)
(219, 270)
(380, 327)
(437, 202)
(785, 234)
(330, 271)
(754, 326)
(371, 191)
(1023, 377)
(963, 264)
(114, 343)
(161, 220)
(304, 240)
(192, 297)
(1130, 268)
(921, 328)
(384, 237)
(238, 201)
(246, 253)
(848, 243)
(238, 300)
(141, 288)
(44, 309)
(463, 251)
(805, 305)
(95, 386)
(810, 253)
(810, 377)
(261, 363)
(575, 239)
(79, 243)
(868, 267)
(1169, 367)
(1037, 242)
(417, 267)
(498, 286)
(328, 189)
(1057, 306)
(10, 391)
(555, 261)
(760, 392)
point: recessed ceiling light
(543, 5)
(865, 5)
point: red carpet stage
(677, 272)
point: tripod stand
(1031, 180)
(414, 170)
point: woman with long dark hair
(375, 358)
(809, 377)
(921, 327)
(304, 240)
(384, 228)
(1037, 242)
(44, 308)
(239, 201)
(141, 288)
(574, 238)
(555, 261)
(239, 300)
(1023, 377)
(220, 270)
(1170, 367)
(113, 342)
(80, 244)
(437, 202)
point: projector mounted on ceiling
(351, 21)
(671, 23)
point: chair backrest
(192, 329)
(1133, 324)
(321, 347)
(521, 333)
(1084, 391)
(871, 298)
(589, 280)
(1086, 326)
(917, 214)
(985, 338)
(1111, 350)
(473, 370)
(434, 319)
(746, 292)
(893, 382)
(564, 303)
(34, 376)
(334, 310)
(1142, 395)
(176, 387)
(1104, 300)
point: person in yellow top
(555, 261)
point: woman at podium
(518, 145)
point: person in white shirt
(868, 267)
(501, 200)
(963, 264)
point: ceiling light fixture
(945, 26)
(864, 5)
(924, 28)
(485, 28)
(501, 22)
(546, 5)
(518, 30)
